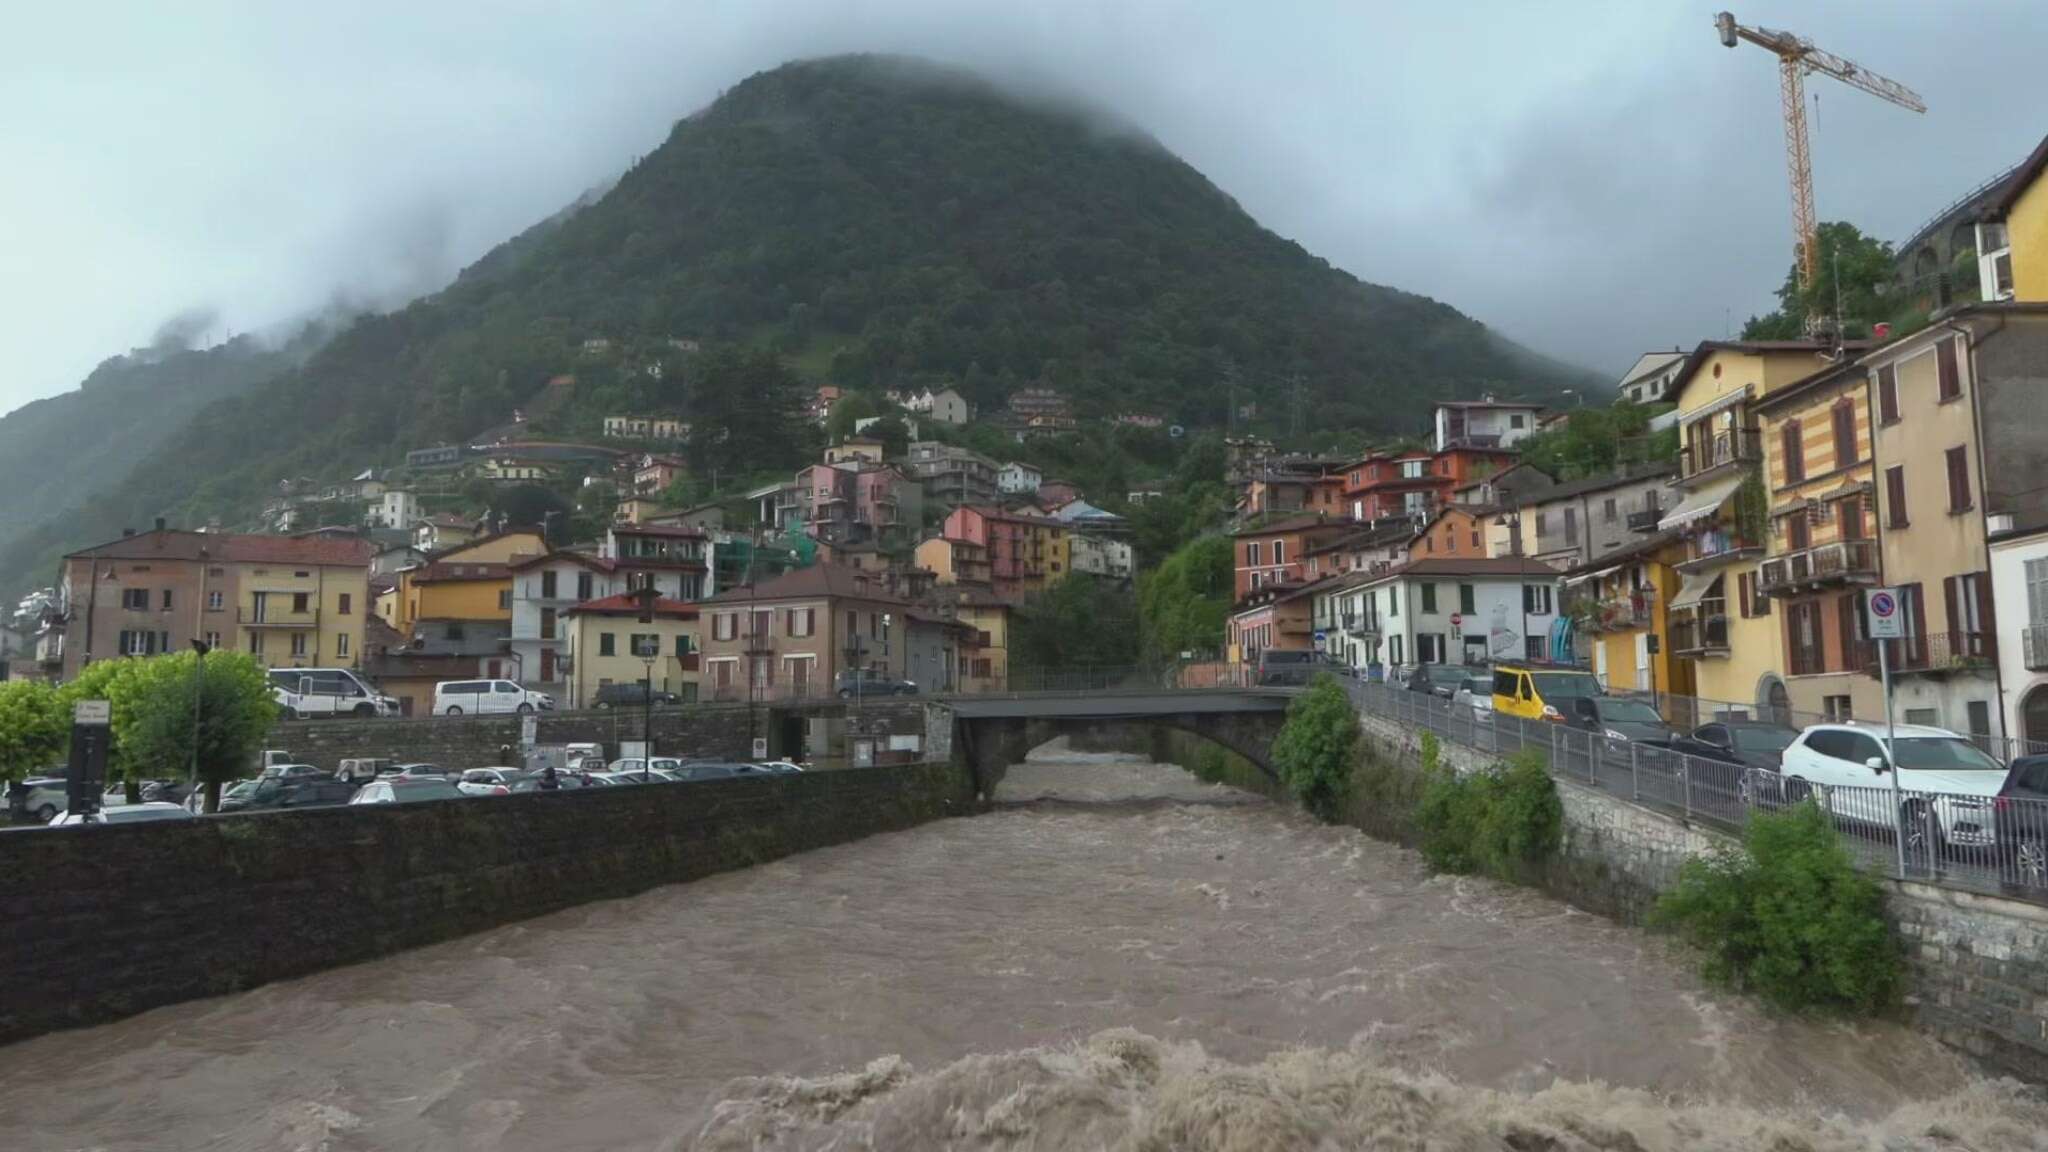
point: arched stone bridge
(993, 732)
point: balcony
(1645, 520)
(1701, 630)
(1710, 454)
(269, 616)
(1620, 613)
(1844, 562)
(1936, 654)
(1716, 548)
(757, 643)
(2034, 648)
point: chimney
(159, 523)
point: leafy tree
(34, 728)
(1503, 820)
(846, 411)
(1315, 748)
(1862, 266)
(894, 435)
(1592, 441)
(1184, 603)
(154, 706)
(746, 413)
(1079, 622)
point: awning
(1717, 404)
(1701, 504)
(1584, 577)
(1694, 589)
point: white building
(1018, 477)
(1649, 381)
(396, 508)
(949, 407)
(543, 588)
(2019, 604)
(1099, 555)
(1450, 611)
(1486, 423)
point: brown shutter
(1949, 605)
(1795, 460)
(1895, 495)
(1844, 418)
(1845, 624)
(1945, 366)
(1958, 480)
(1987, 620)
(1742, 592)
(1888, 394)
(1918, 645)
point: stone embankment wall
(115, 919)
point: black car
(1440, 680)
(632, 694)
(1751, 743)
(1620, 718)
(291, 792)
(2019, 817)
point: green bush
(1315, 748)
(1501, 821)
(1788, 917)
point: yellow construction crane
(1796, 57)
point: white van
(310, 692)
(484, 697)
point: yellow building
(303, 606)
(1718, 623)
(1623, 603)
(610, 644)
(466, 582)
(2012, 235)
(953, 561)
(985, 659)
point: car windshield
(1273, 657)
(1943, 754)
(1555, 686)
(1629, 711)
(1763, 738)
(1478, 685)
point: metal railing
(1977, 843)
(1932, 653)
(1702, 454)
(1825, 563)
(1701, 628)
(273, 616)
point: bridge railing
(1969, 842)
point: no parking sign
(1886, 622)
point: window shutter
(1950, 604)
(1958, 480)
(1895, 494)
(1845, 434)
(1845, 616)
(1945, 366)
(1888, 394)
(1987, 620)
(1742, 592)
(1795, 466)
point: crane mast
(1796, 57)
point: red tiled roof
(628, 604)
(175, 544)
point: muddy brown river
(1122, 957)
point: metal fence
(1979, 843)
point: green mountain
(883, 223)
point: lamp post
(199, 650)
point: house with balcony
(954, 561)
(628, 639)
(1450, 610)
(1018, 479)
(1579, 521)
(858, 502)
(1820, 550)
(544, 588)
(674, 560)
(1026, 553)
(1272, 617)
(1276, 550)
(1483, 423)
(1718, 621)
(1620, 605)
(952, 476)
(791, 636)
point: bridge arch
(991, 735)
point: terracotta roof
(1395, 530)
(627, 604)
(452, 570)
(809, 584)
(1474, 566)
(1296, 524)
(175, 544)
(1706, 348)
(995, 513)
(447, 520)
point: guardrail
(1976, 843)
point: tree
(848, 409)
(1314, 749)
(1597, 440)
(33, 728)
(894, 435)
(1863, 267)
(100, 680)
(154, 714)
(1184, 603)
(746, 413)
(1079, 622)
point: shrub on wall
(1314, 750)
(1501, 821)
(1787, 917)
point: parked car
(290, 792)
(1284, 668)
(1440, 680)
(417, 772)
(631, 694)
(290, 772)
(323, 692)
(1476, 693)
(1928, 760)
(39, 797)
(1620, 718)
(167, 791)
(488, 781)
(364, 768)
(487, 697)
(2019, 818)
(145, 813)
(781, 767)
(712, 769)
(1754, 743)
(1534, 692)
(868, 682)
(405, 790)
(635, 764)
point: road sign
(1457, 619)
(760, 747)
(98, 713)
(1886, 621)
(529, 730)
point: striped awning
(1701, 503)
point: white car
(308, 692)
(633, 765)
(488, 781)
(1857, 758)
(144, 813)
(486, 697)
(1476, 693)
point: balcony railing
(1702, 629)
(269, 616)
(1715, 451)
(1936, 653)
(1714, 548)
(1621, 613)
(2034, 648)
(1645, 520)
(1845, 561)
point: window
(1849, 627)
(1536, 599)
(255, 643)
(136, 643)
(1517, 420)
(1836, 709)
(1476, 543)
(1542, 528)
(1428, 600)
(1608, 510)
(1931, 717)
(167, 599)
(1251, 553)
(1959, 479)
(1793, 451)
(1849, 517)
(298, 643)
(135, 599)
(1888, 395)
(1745, 594)
(504, 599)
(2037, 592)
(547, 585)
(1895, 496)
(1950, 384)
(1980, 723)
(216, 600)
(583, 587)
(1394, 603)
(454, 631)
(725, 626)
(1802, 623)
(341, 644)
(1429, 543)
(1279, 551)
(646, 645)
(1571, 527)
(301, 602)
(1466, 599)
(213, 641)
(1843, 415)
(1798, 531)
(344, 604)
(547, 623)
(800, 621)
(608, 643)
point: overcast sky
(1593, 184)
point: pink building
(1025, 552)
(855, 501)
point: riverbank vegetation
(1503, 821)
(1316, 747)
(1786, 916)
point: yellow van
(1539, 692)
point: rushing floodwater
(1125, 958)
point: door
(547, 665)
(504, 696)
(799, 677)
(2034, 720)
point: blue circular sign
(1883, 604)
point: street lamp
(199, 650)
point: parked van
(1540, 692)
(320, 692)
(1278, 666)
(486, 697)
